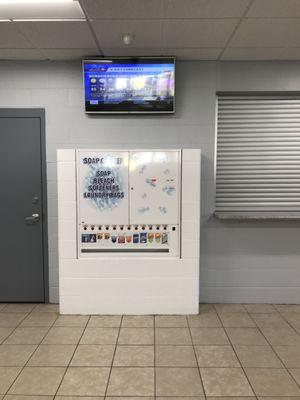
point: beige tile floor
(227, 351)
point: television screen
(131, 85)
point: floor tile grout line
(288, 312)
(214, 312)
(285, 367)
(269, 345)
(39, 344)
(69, 363)
(17, 312)
(144, 367)
(22, 367)
(113, 358)
(260, 312)
(195, 354)
(238, 358)
(249, 314)
(147, 367)
(18, 326)
(244, 310)
(36, 306)
(290, 325)
(14, 328)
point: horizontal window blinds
(258, 156)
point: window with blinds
(258, 156)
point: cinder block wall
(240, 261)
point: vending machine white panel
(154, 187)
(102, 187)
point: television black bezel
(129, 59)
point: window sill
(254, 215)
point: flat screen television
(129, 85)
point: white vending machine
(136, 221)
(129, 203)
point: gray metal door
(22, 236)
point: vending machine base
(129, 231)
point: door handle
(33, 219)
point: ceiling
(187, 29)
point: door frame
(37, 113)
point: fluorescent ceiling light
(48, 19)
(34, 1)
(40, 9)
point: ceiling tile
(41, 10)
(132, 52)
(197, 33)
(146, 34)
(261, 53)
(58, 34)
(274, 8)
(267, 33)
(123, 9)
(205, 9)
(11, 38)
(181, 54)
(194, 54)
(21, 54)
(70, 54)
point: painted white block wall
(240, 261)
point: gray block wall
(240, 261)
